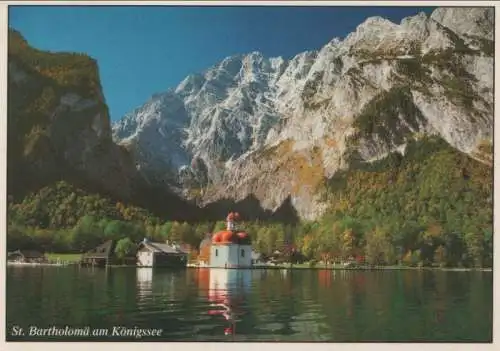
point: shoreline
(262, 267)
(376, 268)
(35, 264)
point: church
(230, 248)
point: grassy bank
(64, 257)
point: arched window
(242, 253)
(216, 252)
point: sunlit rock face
(275, 128)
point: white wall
(245, 261)
(230, 255)
(234, 255)
(145, 258)
(222, 256)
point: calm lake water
(258, 305)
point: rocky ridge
(275, 129)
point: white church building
(231, 248)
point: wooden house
(26, 256)
(152, 254)
(100, 256)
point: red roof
(242, 235)
(227, 236)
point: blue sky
(145, 50)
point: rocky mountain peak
(478, 22)
(275, 128)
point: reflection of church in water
(226, 291)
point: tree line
(431, 207)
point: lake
(252, 305)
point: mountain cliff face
(59, 129)
(277, 129)
(58, 120)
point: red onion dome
(217, 238)
(242, 235)
(243, 238)
(227, 236)
(230, 216)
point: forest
(431, 207)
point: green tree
(116, 229)
(124, 248)
(176, 232)
(440, 256)
(165, 230)
(219, 225)
(379, 249)
(474, 242)
(86, 234)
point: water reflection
(144, 281)
(258, 305)
(325, 277)
(226, 289)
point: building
(257, 258)
(26, 256)
(100, 256)
(231, 248)
(151, 254)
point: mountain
(59, 130)
(277, 130)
